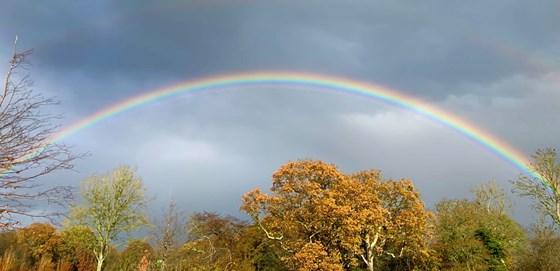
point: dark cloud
(423, 49)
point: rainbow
(287, 79)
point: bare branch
(26, 149)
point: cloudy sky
(492, 63)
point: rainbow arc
(304, 80)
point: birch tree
(113, 204)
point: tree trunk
(370, 266)
(370, 245)
(100, 261)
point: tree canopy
(328, 220)
(113, 203)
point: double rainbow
(313, 81)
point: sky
(495, 64)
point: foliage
(14, 256)
(131, 256)
(113, 204)
(212, 242)
(77, 246)
(38, 246)
(43, 241)
(344, 220)
(542, 252)
(262, 253)
(469, 237)
(315, 218)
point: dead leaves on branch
(346, 220)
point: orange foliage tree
(344, 221)
(42, 239)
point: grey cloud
(424, 49)
(525, 118)
(489, 62)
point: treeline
(214, 242)
(313, 218)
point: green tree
(112, 204)
(77, 247)
(544, 186)
(542, 252)
(469, 237)
(131, 256)
(262, 253)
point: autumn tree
(393, 224)
(43, 241)
(113, 203)
(299, 212)
(26, 148)
(544, 185)
(329, 220)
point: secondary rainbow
(313, 81)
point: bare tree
(169, 232)
(492, 197)
(26, 149)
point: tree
(213, 242)
(299, 212)
(492, 197)
(544, 186)
(328, 220)
(262, 253)
(113, 203)
(131, 257)
(77, 247)
(42, 239)
(469, 237)
(26, 149)
(168, 233)
(542, 252)
(392, 225)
